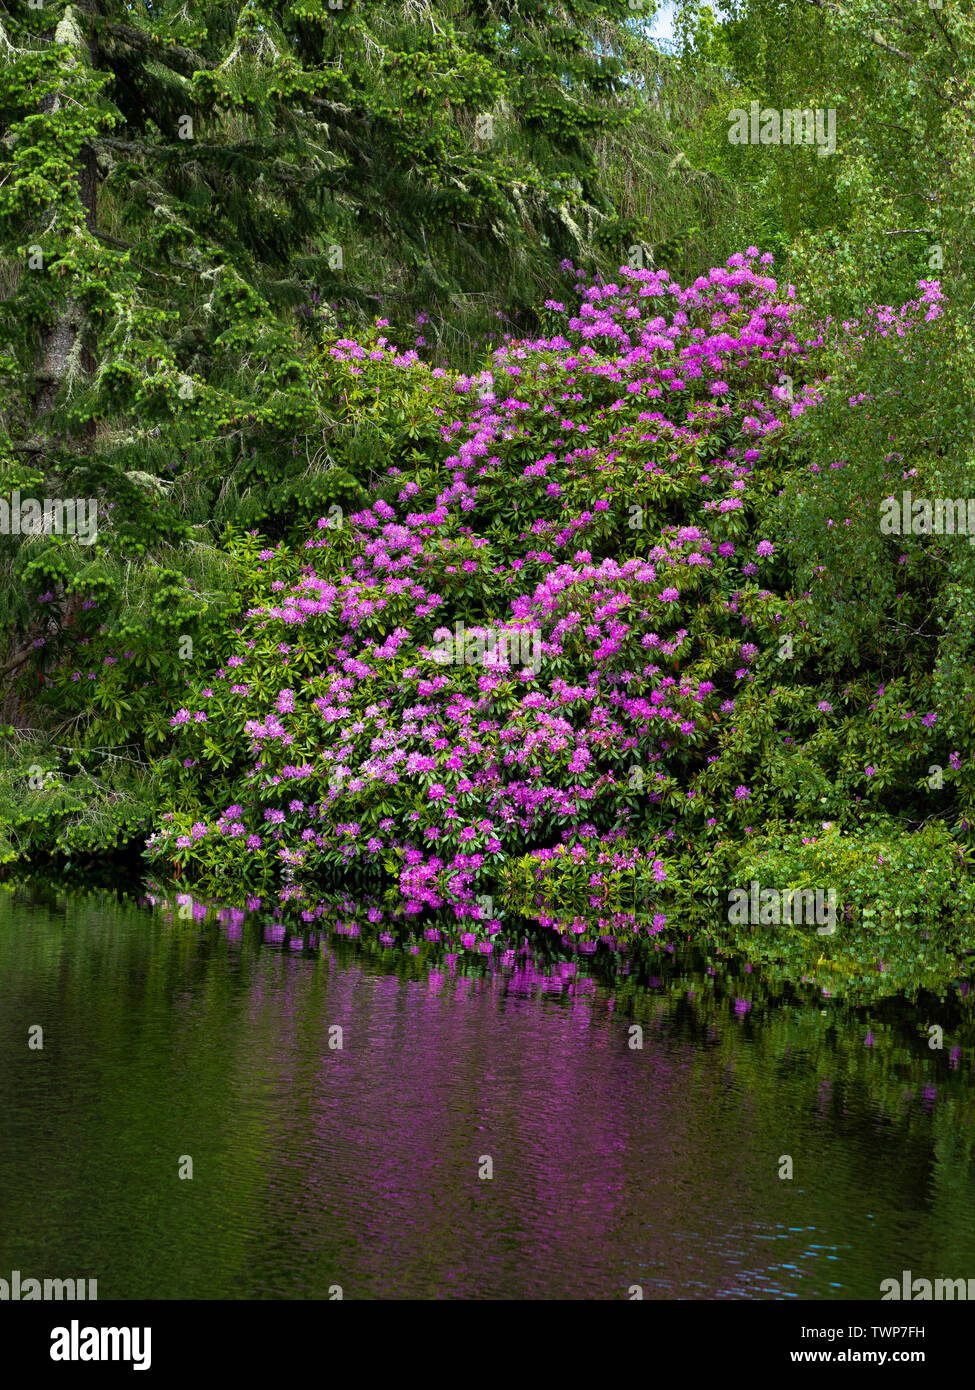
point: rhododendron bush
(562, 655)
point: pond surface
(315, 1166)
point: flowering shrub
(597, 498)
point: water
(316, 1166)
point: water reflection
(635, 1107)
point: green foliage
(76, 808)
(904, 918)
(893, 204)
(877, 872)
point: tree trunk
(59, 338)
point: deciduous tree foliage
(893, 204)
